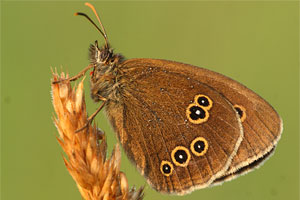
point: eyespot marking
(203, 101)
(166, 168)
(181, 156)
(196, 114)
(241, 111)
(199, 146)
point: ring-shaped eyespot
(181, 156)
(203, 101)
(166, 168)
(199, 146)
(241, 111)
(196, 114)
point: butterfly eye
(241, 111)
(166, 168)
(181, 156)
(199, 146)
(197, 114)
(203, 101)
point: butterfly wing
(180, 133)
(261, 124)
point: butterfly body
(184, 127)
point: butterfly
(183, 127)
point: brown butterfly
(184, 127)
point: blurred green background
(256, 43)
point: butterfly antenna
(103, 33)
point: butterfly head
(103, 58)
(100, 56)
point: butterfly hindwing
(180, 133)
(261, 124)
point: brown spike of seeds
(96, 177)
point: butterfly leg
(91, 118)
(74, 78)
(102, 98)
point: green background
(256, 43)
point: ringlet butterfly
(184, 127)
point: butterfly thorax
(105, 77)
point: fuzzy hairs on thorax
(106, 75)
